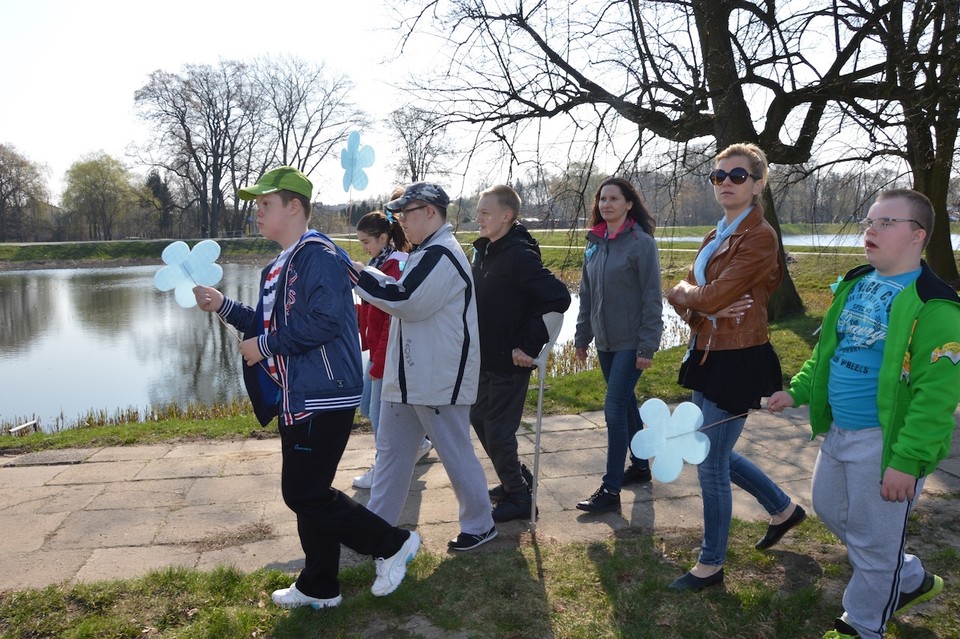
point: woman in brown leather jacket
(731, 364)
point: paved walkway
(118, 512)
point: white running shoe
(293, 598)
(425, 448)
(390, 571)
(365, 480)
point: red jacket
(375, 324)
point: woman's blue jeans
(721, 467)
(620, 411)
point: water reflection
(81, 340)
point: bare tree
(783, 75)
(424, 145)
(220, 127)
(197, 117)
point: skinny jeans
(721, 467)
(621, 413)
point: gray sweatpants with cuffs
(846, 497)
(402, 427)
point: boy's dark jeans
(326, 517)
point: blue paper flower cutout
(670, 439)
(186, 268)
(354, 159)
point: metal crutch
(552, 321)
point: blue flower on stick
(670, 439)
(354, 159)
(186, 268)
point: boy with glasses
(883, 383)
(432, 365)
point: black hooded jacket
(514, 290)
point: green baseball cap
(284, 178)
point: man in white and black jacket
(432, 365)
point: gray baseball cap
(423, 192)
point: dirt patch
(248, 534)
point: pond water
(104, 339)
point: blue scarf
(723, 232)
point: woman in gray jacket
(620, 310)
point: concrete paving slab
(148, 493)
(25, 532)
(40, 568)
(22, 476)
(180, 467)
(54, 457)
(204, 449)
(133, 561)
(99, 473)
(193, 524)
(235, 489)
(107, 529)
(256, 462)
(269, 553)
(48, 499)
(130, 453)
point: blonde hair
(506, 197)
(755, 157)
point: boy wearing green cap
(304, 368)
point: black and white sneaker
(468, 541)
(602, 501)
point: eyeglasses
(883, 223)
(402, 213)
(738, 175)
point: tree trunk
(729, 105)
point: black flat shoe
(775, 532)
(693, 583)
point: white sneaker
(390, 571)
(365, 480)
(425, 448)
(293, 598)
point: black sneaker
(931, 586)
(513, 506)
(467, 541)
(636, 474)
(498, 492)
(601, 501)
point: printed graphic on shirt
(863, 323)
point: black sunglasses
(737, 176)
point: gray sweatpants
(846, 497)
(402, 427)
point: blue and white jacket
(312, 336)
(433, 352)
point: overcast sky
(69, 68)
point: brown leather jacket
(748, 262)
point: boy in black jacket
(514, 290)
